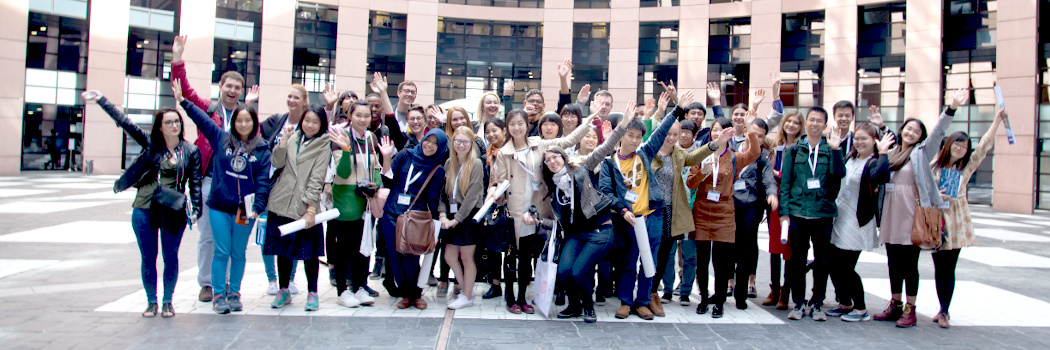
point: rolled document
(427, 264)
(488, 203)
(641, 235)
(1006, 122)
(784, 230)
(297, 225)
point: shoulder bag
(167, 196)
(927, 229)
(414, 232)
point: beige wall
(1016, 42)
(14, 19)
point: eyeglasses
(534, 101)
(408, 92)
(550, 159)
(462, 142)
(169, 123)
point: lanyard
(714, 168)
(225, 117)
(814, 153)
(635, 178)
(528, 158)
(455, 185)
(411, 178)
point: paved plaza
(69, 278)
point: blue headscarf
(425, 163)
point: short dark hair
(551, 117)
(636, 125)
(533, 92)
(231, 75)
(321, 114)
(687, 124)
(843, 104)
(759, 122)
(815, 109)
(696, 105)
(724, 122)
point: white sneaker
(273, 288)
(363, 297)
(460, 302)
(292, 288)
(347, 299)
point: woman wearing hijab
(405, 175)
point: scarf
(425, 163)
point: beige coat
(299, 184)
(511, 167)
(681, 213)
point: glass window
(657, 57)
(802, 37)
(480, 56)
(149, 53)
(591, 4)
(590, 56)
(498, 3)
(313, 62)
(386, 51)
(880, 62)
(802, 61)
(658, 3)
(236, 55)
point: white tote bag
(546, 275)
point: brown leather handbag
(927, 229)
(414, 232)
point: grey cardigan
(475, 192)
(929, 195)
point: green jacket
(796, 198)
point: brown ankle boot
(623, 312)
(774, 295)
(656, 306)
(785, 294)
(907, 318)
(892, 313)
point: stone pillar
(278, 47)
(14, 16)
(351, 53)
(840, 52)
(557, 46)
(421, 48)
(1016, 69)
(922, 91)
(766, 28)
(198, 24)
(107, 60)
(693, 31)
(623, 52)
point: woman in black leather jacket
(168, 160)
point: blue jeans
(580, 253)
(654, 223)
(231, 240)
(688, 267)
(271, 267)
(169, 238)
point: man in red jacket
(231, 87)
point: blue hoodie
(234, 174)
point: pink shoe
(528, 309)
(515, 309)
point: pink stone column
(275, 64)
(693, 30)
(840, 52)
(351, 53)
(623, 52)
(1016, 68)
(766, 28)
(922, 91)
(421, 48)
(14, 18)
(197, 22)
(107, 60)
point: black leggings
(944, 262)
(850, 289)
(903, 261)
(517, 267)
(747, 221)
(343, 243)
(284, 269)
(663, 254)
(719, 254)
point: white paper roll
(488, 203)
(641, 235)
(297, 225)
(427, 264)
(784, 230)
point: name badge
(404, 199)
(739, 185)
(631, 197)
(813, 184)
(889, 187)
(453, 208)
(713, 196)
(535, 186)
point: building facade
(824, 50)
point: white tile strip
(974, 304)
(1007, 235)
(15, 266)
(99, 232)
(1002, 257)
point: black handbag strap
(421, 188)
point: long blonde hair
(453, 157)
(481, 106)
(448, 119)
(781, 136)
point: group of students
(623, 194)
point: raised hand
(176, 89)
(252, 95)
(339, 138)
(606, 128)
(714, 92)
(665, 99)
(584, 95)
(757, 97)
(775, 78)
(876, 116)
(435, 111)
(834, 140)
(723, 137)
(565, 68)
(288, 130)
(508, 87)
(999, 114)
(883, 145)
(670, 89)
(91, 95)
(386, 147)
(177, 47)
(628, 113)
(378, 84)
(650, 107)
(686, 99)
(331, 96)
(959, 97)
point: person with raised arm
(811, 174)
(166, 160)
(231, 88)
(952, 168)
(241, 166)
(912, 185)
(488, 109)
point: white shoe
(292, 288)
(363, 297)
(273, 288)
(347, 299)
(460, 302)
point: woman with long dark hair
(240, 166)
(304, 153)
(492, 261)
(166, 160)
(911, 186)
(955, 164)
